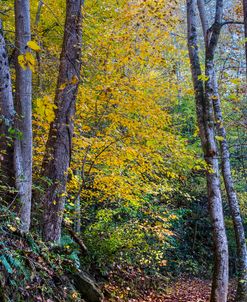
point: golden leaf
(33, 45)
(30, 61)
(22, 61)
(219, 138)
(74, 80)
(63, 86)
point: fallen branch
(76, 238)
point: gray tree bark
(38, 14)
(77, 221)
(241, 295)
(211, 40)
(23, 142)
(58, 149)
(205, 116)
(6, 118)
(245, 28)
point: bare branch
(232, 22)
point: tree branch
(203, 17)
(76, 238)
(232, 22)
(213, 32)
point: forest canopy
(123, 150)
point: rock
(87, 287)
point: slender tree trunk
(38, 14)
(245, 27)
(203, 17)
(23, 143)
(58, 149)
(220, 280)
(37, 21)
(211, 41)
(77, 221)
(6, 118)
(233, 203)
(241, 295)
(77, 224)
(205, 118)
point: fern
(6, 264)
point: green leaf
(203, 78)
(219, 138)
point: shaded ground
(184, 290)
(190, 290)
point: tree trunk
(6, 118)
(37, 21)
(233, 204)
(231, 194)
(58, 149)
(213, 95)
(205, 118)
(77, 221)
(245, 27)
(220, 281)
(38, 14)
(241, 295)
(23, 142)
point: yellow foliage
(27, 61)
(45, 109)
(124, 145)
(22, 61)
(122, 137)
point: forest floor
(184, 290)
(187, 290)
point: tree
(59, 144)
(6, 117)
(204, 109)
(23, 100)
(122, 150)
(245, 28)
(211, 35)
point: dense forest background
(102, 156)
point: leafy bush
(133, 235)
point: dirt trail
(185, 290)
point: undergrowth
(30, 270)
